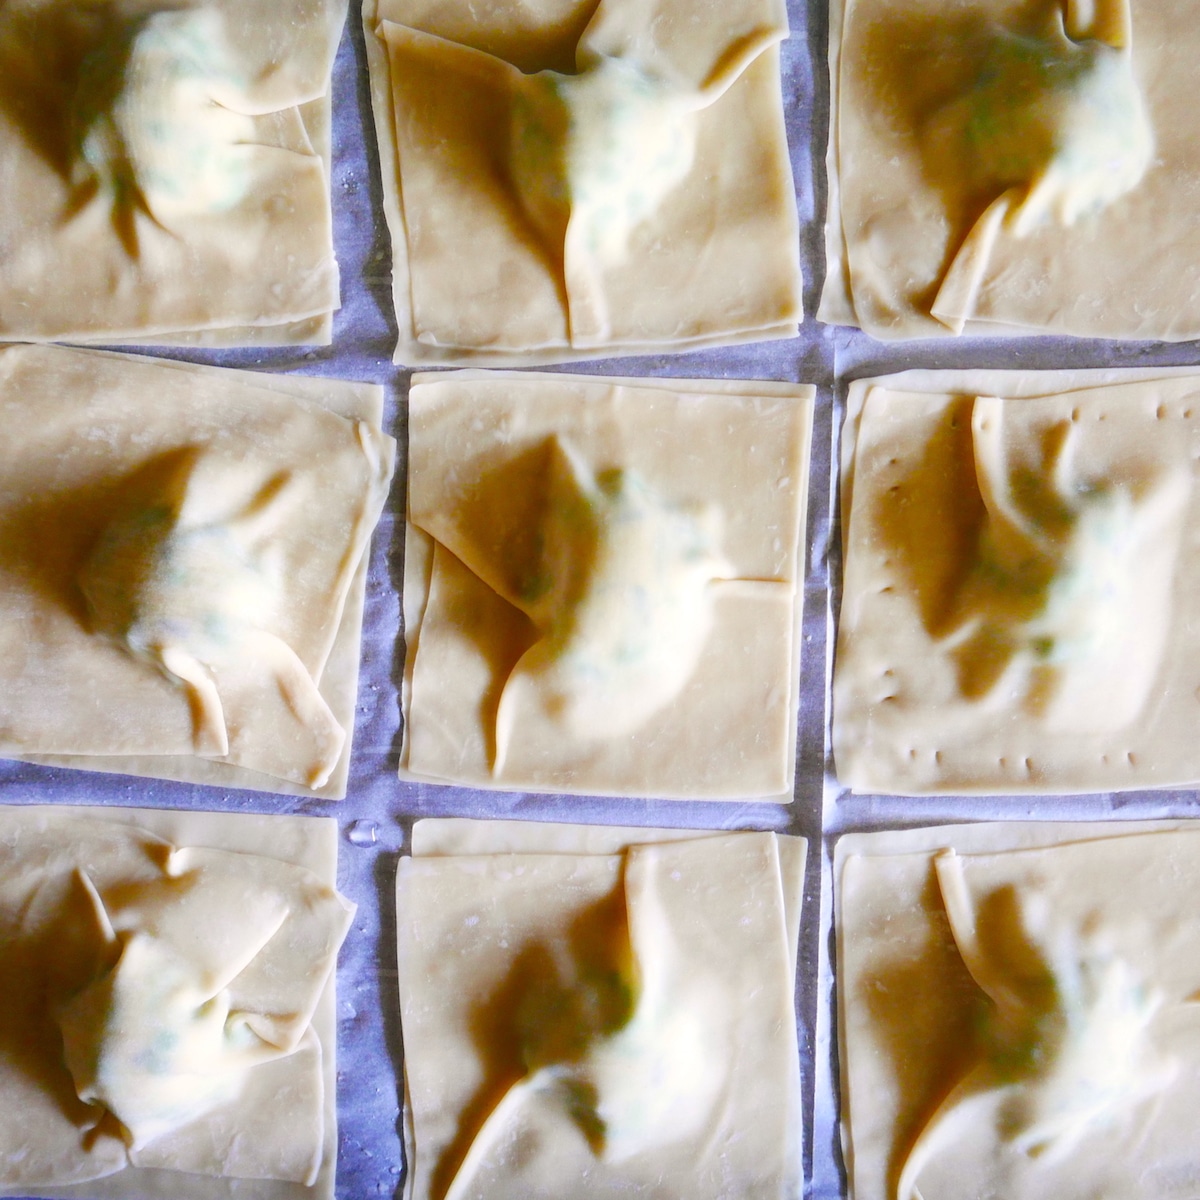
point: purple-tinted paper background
(378, 812)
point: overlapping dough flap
(620, 1017)
(167, 172)
(581, 178)
(1008, 168)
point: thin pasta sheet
(614, 1006)
(1012, 1024)
(182, 559)
(167, 172)
(1006, 168)
(602, 584)
(567, 181)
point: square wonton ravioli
(182, 565)
(565, 181)
(1020, 583)
(166, 172)
(614, 1005)
(1002, 167)
(1010, 1022)
(168, 1009)
(603, 582)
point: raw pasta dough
(1010, 1023)
(167, 172)
(609, 1005)
(1018, 601)
(182, 562)
(998, 167)
(567, 180)
(176, 971)
(602, 583)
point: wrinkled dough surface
(601, 149)
(168, 172)
(192, 587)
(621, 1040)
(593, 156)
(1049, 602)
(1007, 168)
(622, 601)
(152, 120)
(1059, 118)
(1057, 123)
(179, 554)
(1065, 1048)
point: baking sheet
(377, 815)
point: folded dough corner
(614, 1005)
(167, 1009)
(589, 608)
(1018, 601)
(1012, 1024)
(558, 189)
(168, 173)
(183, 552)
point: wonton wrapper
(913, 1018)
(707, 708)
(715, 262)
(93, 439)
(88, 261)
(282, 1129)
(496, 920)
(1018, 601)
(902, 202)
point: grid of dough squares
(1005, 1014)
